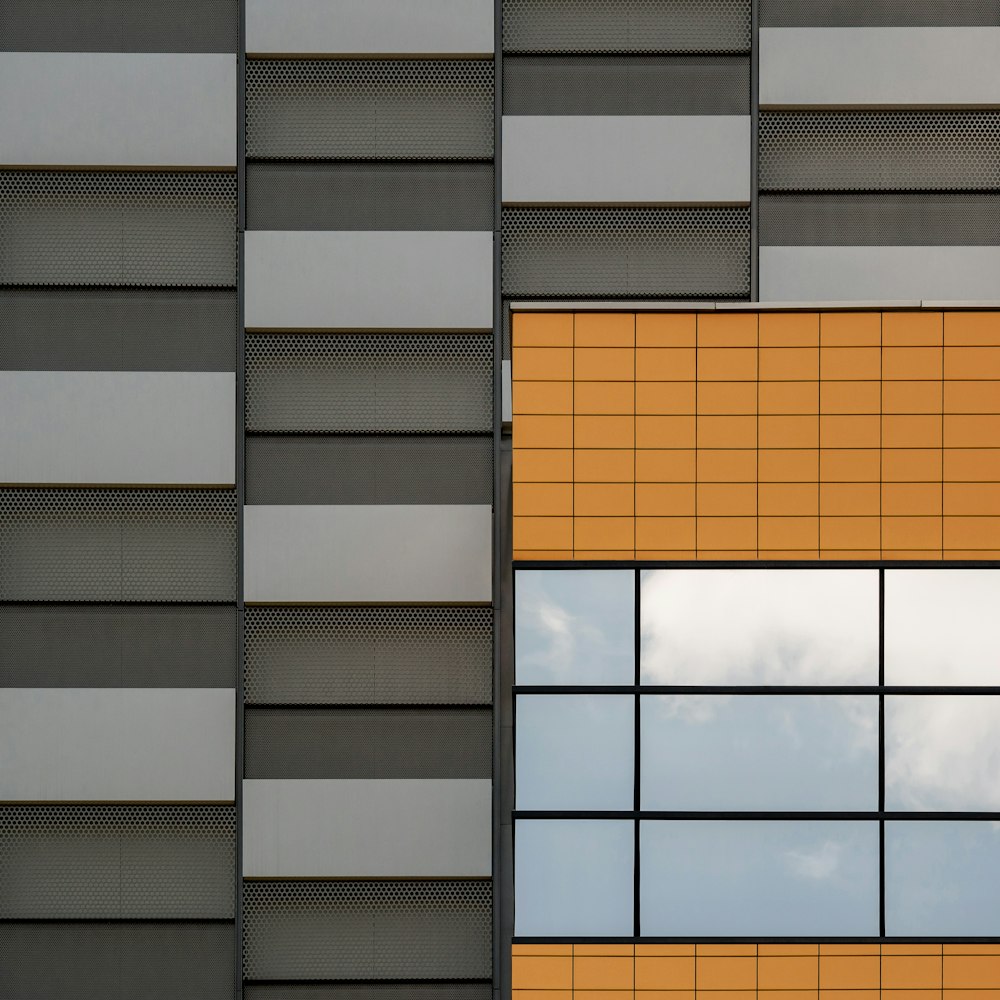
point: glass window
(942, 752)
(759, 752)
(575, 626)
(942, 626)
(759, 626)
(745, 878)
(942, 878)
(573, 877)
(575, 751)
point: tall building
(499, 499)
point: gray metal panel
(117, 961)
(876, 13)
(113, 26)
(314, 828)
(117, 545)
(103, 108)
(359, 554)
(879, 219)
(118, 329)
(370, 929)
(335, 109)
(404, 383)
(506, 390)
(879, 66)
(157, 428)
(370, 26)
(370, 196)
(626, 159)
(77, 646)
(112, 862)
(367, 991)
(381, 655)
(871, 273)
(626, 85)
(626, 26)
(369, 281)
(369, 469)
(367, 743)
(626, 252)
(131, 744)
(117, 228)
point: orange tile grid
(756, 435)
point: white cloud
(816, 864)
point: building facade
(499, 498)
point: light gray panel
(307, 828)
(157, 428)
(865, 274)
(506, 393)
(874, 13)
(879, 66)
(132, 744)
(118, 109)
(358, 554)
(582, 158)
(374, 280)
(370, 27)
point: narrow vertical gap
(757, 440)
(697, 454)
(754, 139)
(942, 439)
(881, 437)
(635, 420)
(636, 758)
(881, 752)
(572, 435)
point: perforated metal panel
(369, 382)
(398, 197)
(117, 961)
(117, 545)
(113, 646)
(880, 220)
(132, 228)
(877, 13)
(426, 929)
(626, 85)
(118, 329)
(330, 656)
(626, 252)
(367, 991)
(355, 469)
(119, 25)
(626, 25)
(117, 862)
(880, 151)
(363, 109)
(367, 743)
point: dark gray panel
(362, 469)
(350, 109)
(424, 382)
(95, 227)
(877, 13)
(626, 26)
(374, 929)
(118, 329)
(117, 545)
(114, 26)
(367, 991)
(117, 862)
(417, 655)
(880, 220)
(626, 252)
(117, 961)
(880, 151)
(367, 743)
(619, 85)
(370, 196)
(113, 646)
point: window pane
(575, 626)
(575, 751)
(760, 626)
(942, 626)
(942, 752)
(759, 752)
(942, 878)
(573, 877)
(759, 877)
